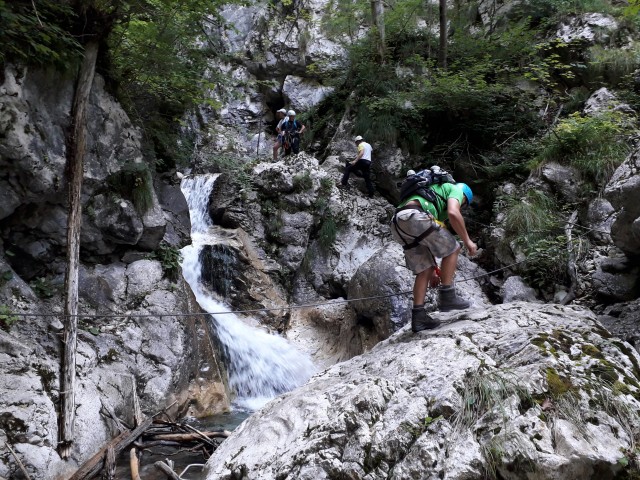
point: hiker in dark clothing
(291, 130)
(361, 164)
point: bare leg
(448, 267)
(420, 285)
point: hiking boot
(450, 301)
(421, 320)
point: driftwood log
(93, 466)
(150, 433)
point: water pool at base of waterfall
(222, 421)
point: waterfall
(260, 365)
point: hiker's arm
(358, 156)
(457, 223)
(303, 129)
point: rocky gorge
(518, 386)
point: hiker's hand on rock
(472, 248)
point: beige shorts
(439, 243)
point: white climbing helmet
(282, 110)
(358, 139)
(291, 113)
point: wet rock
(600, 217)
(565, 181)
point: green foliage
(237, 170)
(531, 218)
(170, 258)
(7, 318)
(42, 287)
(5, 277)
(328, 233)
(483, 392)
(134, 182)
(302, 181)
(611, 66)
(533, 224)
(38, 36)
(512, 161)
(159, 62)
(594, 145)
(546, 262)
(272, 214)
(326, 184)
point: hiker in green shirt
(417, 225)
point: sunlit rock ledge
(521, 390)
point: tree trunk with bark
(75, 156)
(377, 14)
(442, 53)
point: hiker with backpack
(292, 129)
(428, 198)
(281, 115)
(362, 164)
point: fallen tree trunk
(93, 466)
(188, 437)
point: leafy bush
(170, 258)
(7, 318)
(42, 287)
(328, 233)
(41, 36)
(594, 145)
(546, 263)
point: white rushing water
(260, 366)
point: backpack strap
(416, 239)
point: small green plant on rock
(5, 277)
(7, 318)
(170, 258)
(134, 182)
(302, 181)
(42, 287)
(485, 392)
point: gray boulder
(515, 290)
(623, 192)
(616, 278)
(443, 403)
(599, 219)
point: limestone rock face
(34, 121)
(413, 407)
(165, 358)
(616, 278)
(126, 340)
(590, 28)
(623, 191)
